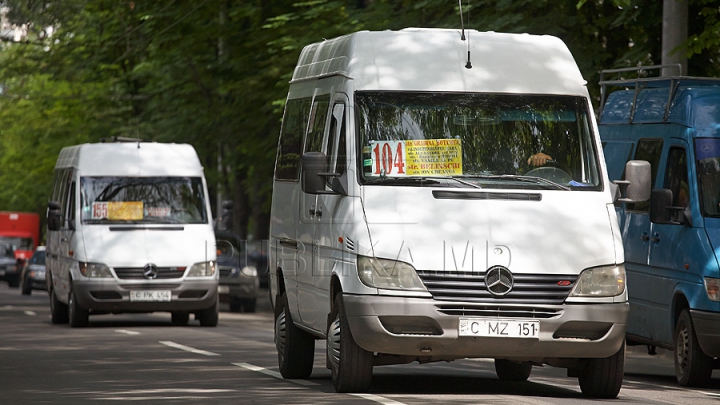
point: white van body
(441, 263)
(134, 234)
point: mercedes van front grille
(136, 273)
(470, 287)
(494, 311)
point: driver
(539, 159)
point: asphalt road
(143, 359)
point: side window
(336, 152)
(64, 180)
(57, 183)
(316, 129)
(649, 150)
(71, 203)
(287, 165)
(676, 177)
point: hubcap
(681, 351)
(333, 344)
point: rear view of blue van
(672, 241)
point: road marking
(127, 332)
(712, 394)
(379, 399)
(30, 313)
(272, 373)
(188, 348)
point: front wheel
(25, 286)
(58, 310)
(602, 378)
(210, 316)
(507, 370)
(78, 317)
(693, 368)
(295, 347)
(351, 365)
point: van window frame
(644, 207)
(290, 144)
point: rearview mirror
(636, 186)
(53, 216)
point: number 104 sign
(427, 157)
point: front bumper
(238, 288)
(707, 329)
(108, 295)
(422, 328)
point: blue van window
(676, 177)
(707, 152)
(649, 150)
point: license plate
(499, 328)
(223, 289)
(150, 295)
(2, 272)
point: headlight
(712, 287)
(97, 270)
(390, 274)
(607, 281)
(202, 269)
(249, 271)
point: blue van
(672, 241)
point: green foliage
(215, 73)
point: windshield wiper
(530, 179)
(422, 180)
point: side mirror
(53, 216)
(663, 212)
(636, 186)
(314, 175)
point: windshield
(38, 257)
(139, 200)
(8, 245)
(707, 152)
(476, 140)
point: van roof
(131, 159)
(428, 59)
(692, 104)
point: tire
(235, 304)
(77, 316)
(25, 287)
(602, 378)
(210, 316)
(58, 310)
(295, 347)
(179, 318)
(693, 368)
(13, 281)
(250, 304)
(350, 364)
(507, 370)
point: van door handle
(644, 237)
(655, 238)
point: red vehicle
(19, 236)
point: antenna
(468, 65)
(462, 25)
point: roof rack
(123, 139)
(642, 80)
